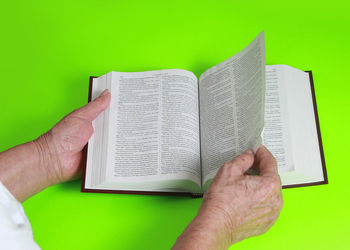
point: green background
(50, 48)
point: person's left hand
(61, 148)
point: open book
(166, 131)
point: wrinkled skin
(236, 206)
(61, 147)
(54, 157)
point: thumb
(243, 162)
(91, 110)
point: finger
(91, 110)
(266, 162)
(243, 162)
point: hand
(245, 205)
(236, 206)
(60, 149)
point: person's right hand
(236, 206)
(55, 156)
(61, 148)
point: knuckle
(67, 143)
(74, 113)
(226, 167)
(98, 102)
(208, 195)
(215, 186)
(227, 164)
(244, 158)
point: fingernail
(248, 151)
(105, 92)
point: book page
(276, 135)
(97, 148)
(290, 131)
(155, 124)
(232, 107)
(302, 128)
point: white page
(155, 127)
(276, 135)
(232, 107)
(290, 131)
(97, 148)
(303, 130)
